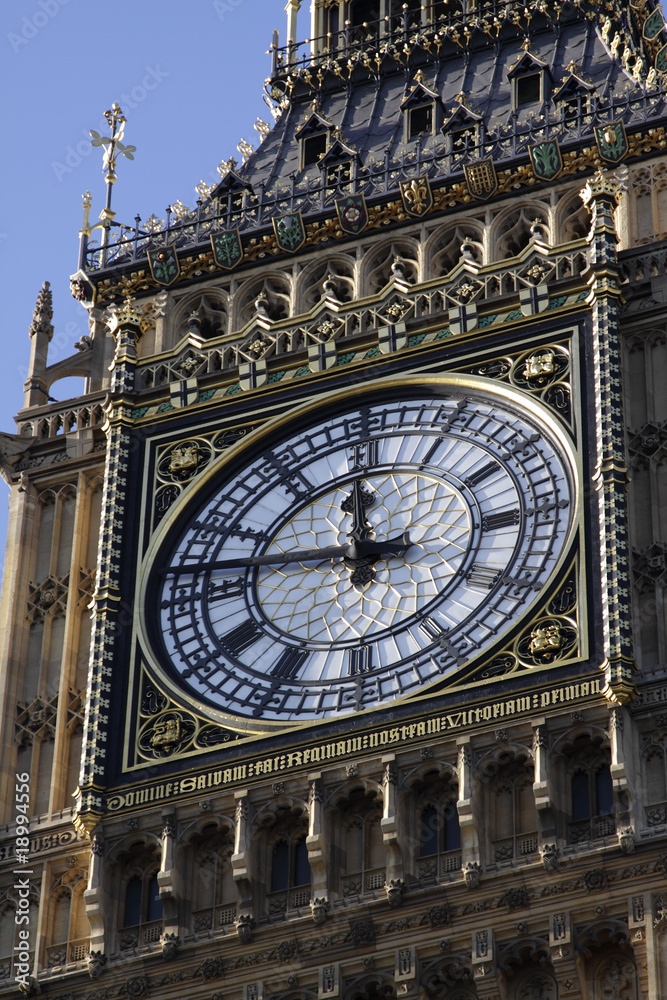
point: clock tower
(337, 600)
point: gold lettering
(188, 784)
(294, 759)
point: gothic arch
(269, 294)
(442, 252)
(376, 270)
(211, 308)
(340, 268)
(513, 229)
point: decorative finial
(225, 166)
(262, 127)
(43, 313)
(419, 76)
(112, 143)
(245, 149)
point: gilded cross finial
(112, 143)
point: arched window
(140, 903)
(68, 933)
(359, 853)
(591, 792)
(289, 871)
(214, 895)
(438, 831)
(512, 805)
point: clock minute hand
(350, 551)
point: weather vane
(113, 146)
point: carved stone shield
(392, 338)
(253, 374)
(546, 160)
(322, 356)
(227, 248)
(653, 25)
(352, 213)
(184, 393)
(612, 141)
(164, 265)
(417, 196)
(481, 178)
(290, 231)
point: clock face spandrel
(360, 555)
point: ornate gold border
(512, 395)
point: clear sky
(189, 76)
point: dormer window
(528, 78)
(338, 163)
(422, 109)
(420, 120)
(313, 137)
(340, 173)
(464, 139)
(528, 89)
(313, 147)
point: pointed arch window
(289, 873)
(140, 903)
(591, 794)
(360, 854)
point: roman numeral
(241, 637)
(238, 532)
(503, 519)
(226, 588)
(475, 478)
(289, 663)
(483, 577)
(359, 660)
(431, 629)
(363, 455)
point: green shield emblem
(546, 160)
(612, 141)
(290, 231)
(661, 60)
(164, 265)
(653, 25)
(227, 248)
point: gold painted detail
(292, 760)
(539, 367)
(444, 197)
(166, 730)
(178, 463)
(546, 640)
(555, 635)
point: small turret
(41, 334)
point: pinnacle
(43, 313)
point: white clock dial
(363, 553)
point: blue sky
(189, 76)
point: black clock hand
(361, 529)
(351, 552)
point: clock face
(361, 554)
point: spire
(43, 313)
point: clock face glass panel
(362, 555)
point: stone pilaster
(601, 195)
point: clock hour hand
(354, 505)
(353, 552)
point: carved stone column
(95, 902)
(168, 883)
(390, 836)
(317, 849)
(624, 777)
(469, 831)
(41, 334)
(563, 957)
(240, 866)
(484, 969)
(601, 195)
(546, 822)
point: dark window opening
(581, 802)
(528, 89)
(314, 147)
(364, 11)
(428, 836)
(452, 828)
(301, 863)
(237, 201)
(132, 912)
(280, 866)
(570, 109)
(421, 120)
(604, 792)
(154, 908)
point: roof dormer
(313, 136)
(529, 77)
(232, 186)
(422, 108)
